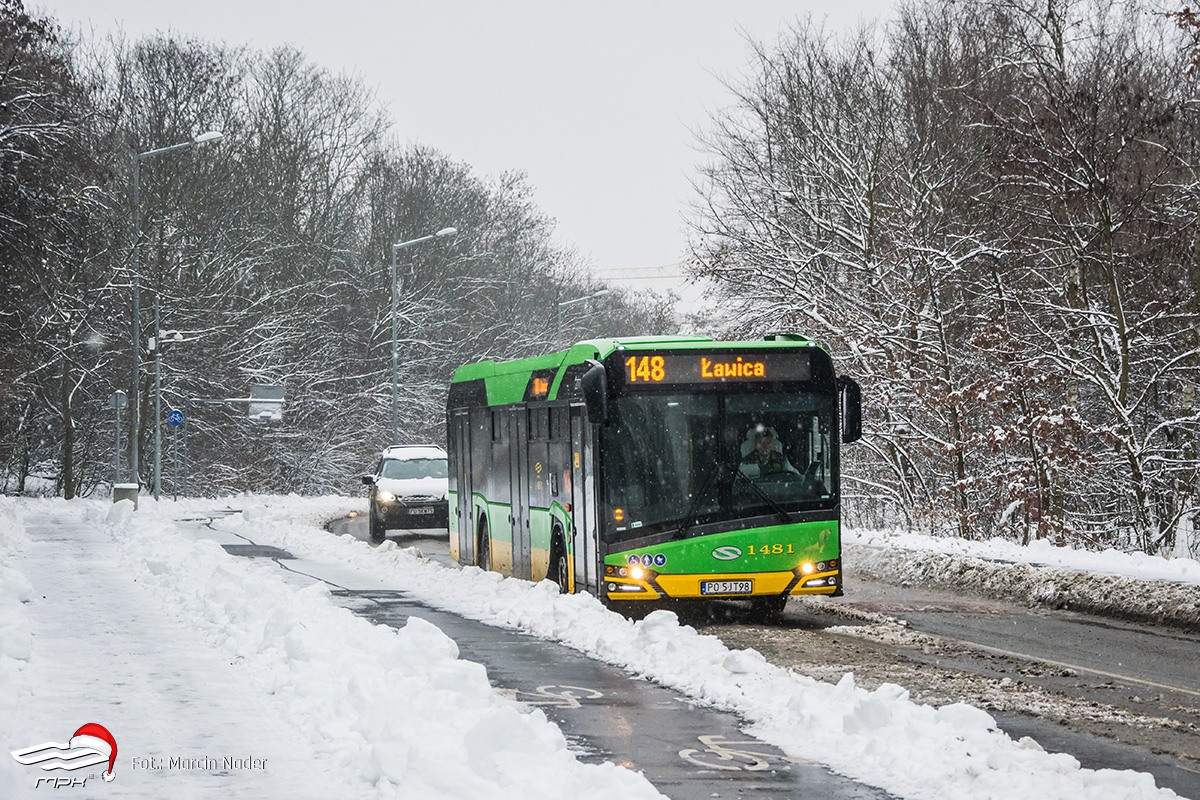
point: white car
(409, 488)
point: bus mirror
(595, 393)
(851, 397)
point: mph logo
(727, 553)
(92, 744)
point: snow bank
(1039, 552)
(15, 635)
(396, 709)
(1134, 587)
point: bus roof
(506, 380)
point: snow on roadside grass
(394, 710)
(1039, 553)
(1132, 586)
(880, 737)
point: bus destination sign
(652, 369)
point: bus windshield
(672, 461)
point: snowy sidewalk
(190, 657)
(103, 649)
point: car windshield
(677, 460)
(408, 469)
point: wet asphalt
(687, 751)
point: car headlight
(385, 497)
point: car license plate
(421, 510)
(726, 587)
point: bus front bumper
(650, 585)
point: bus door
(583, 502)
(519, 471)
(460, 449)
(543, 482)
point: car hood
(415, 487)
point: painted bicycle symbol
(749, 755)
(555, 696)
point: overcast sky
(597, 102)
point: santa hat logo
(96, 735)
(92, 744)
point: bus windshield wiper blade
(758, 490)
(694, 506)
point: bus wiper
(758, 490)
(694, 506)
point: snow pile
(1135, 587)
(15, 634)
(873, 736)
(15, 592)
(391, 708)
(1039, 552)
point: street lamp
(396, 326)
(558, 307)
(135, 417)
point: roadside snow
(381, 712)
(1038, 553)
(1131, 586)
(185, 652)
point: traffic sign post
(175, 419)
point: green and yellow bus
(655, 468)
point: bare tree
(53, 229)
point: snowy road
(1117, 695)
(223, 670)
(687, 751)
(927, 641)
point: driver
(764, 455)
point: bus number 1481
(770, 549)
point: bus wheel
(767, 609)
(561, 569)
(483, 548)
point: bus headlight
(637, 573)
(807, 568)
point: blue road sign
(174, 417)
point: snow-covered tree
(988, 209)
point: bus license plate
(421, 510)
(726, 587)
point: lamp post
(135, 420)
(558, 307)
(396, 326)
